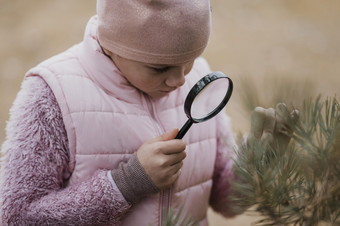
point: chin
(159, 95)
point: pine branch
(302, 185)
(176, 218)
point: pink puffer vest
(107, 120)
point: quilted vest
(107, 120)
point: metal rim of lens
(198, 87)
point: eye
(161, 70)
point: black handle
(184, 129)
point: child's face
(153, 79)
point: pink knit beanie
(154, 31)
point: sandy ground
(261, 41)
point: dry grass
(283, 40)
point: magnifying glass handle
(184, 129)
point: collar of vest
(101, 69)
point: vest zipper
(165, 200)
(165, 204)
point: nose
(175, 79)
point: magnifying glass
(206, 99)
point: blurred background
(282, 48)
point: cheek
(152, 82)
(148, 83)
(138, 78)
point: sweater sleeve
(223, 171)
(35, 170)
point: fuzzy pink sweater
(35, 170)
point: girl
(90, 140)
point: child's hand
(269, 125)
(162, 158)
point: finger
(170, 135)
(176, 158)
(256, 122)
(176, 167)
(286, 116)
(170, 160)
(294, 115)
(171, 175)
(172, 147)
(165, 136)
(268, 126)
(175, 176)
(285, 119)
(281, 117)
(282, 111)
(289, 124)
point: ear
(189, 67)
(107, 52)
(112, 56)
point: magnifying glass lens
(210, 97)
(206, 99)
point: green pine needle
(302, 185)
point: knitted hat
(154, 31)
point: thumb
(167, 136)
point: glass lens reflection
(209, 98)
